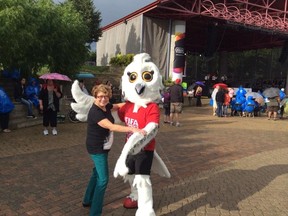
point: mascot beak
(139, 88)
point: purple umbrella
(200, 83)
(55, 76)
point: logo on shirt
(131, 122)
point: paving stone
(219, 166)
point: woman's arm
(105, 123)
(117, 106)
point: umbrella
(271, 92)
(257, 96)
(254, 95)
(193, 85)
(284, 102)
(55, 76)
(83, 75)
(222, 85)
(200, 83)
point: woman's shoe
(6, 130)
(85, 205)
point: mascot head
(141, 81)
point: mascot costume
(141, 84)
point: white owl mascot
(141, 84)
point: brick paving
(219, 166)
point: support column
(178, 38)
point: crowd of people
(243, 103)
(43, 97)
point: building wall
(123, 38)
(140, 34)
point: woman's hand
(135, 130)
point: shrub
(121, 60)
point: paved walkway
(219, 166)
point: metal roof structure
(223, 25)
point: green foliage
(91, 56)
(121, 60)
(40, 32)
(168, 82)
(91, 17)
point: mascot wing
(159, 166)
(134, 144)
(83, 102)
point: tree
(34, 33)
(68, 51)
(91, 17)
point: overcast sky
(112, 10)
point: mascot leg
(130, 201)
(145, 198)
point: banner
(179, 50)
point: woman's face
(102, 99)
(49, 82)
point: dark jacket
(176, 94)
(44, 97)
(220, 96)
(19, 92)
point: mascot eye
(147, 76)
(132, 76)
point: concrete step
(24, 122)
(18, 117)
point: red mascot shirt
(140, 119)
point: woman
(100, 128)
(49, 97)
(198, 94)
(166, 105)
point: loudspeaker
(284, 53)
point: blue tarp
(6, 104)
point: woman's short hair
(105, 89)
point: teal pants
(98, 183)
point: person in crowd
(213, 97)
(282, 96)
(166, 105)
(6, 106)
(226, 104)
(190, 94)
(83, 87)
(273, 107)
(112, 99)
(198, 94)
(49, 97)
(32, 91)
(21, 96)
(176, 102)
(100, 128)
(220, 96)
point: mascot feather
(141, 84)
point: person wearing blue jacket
(6, 106)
